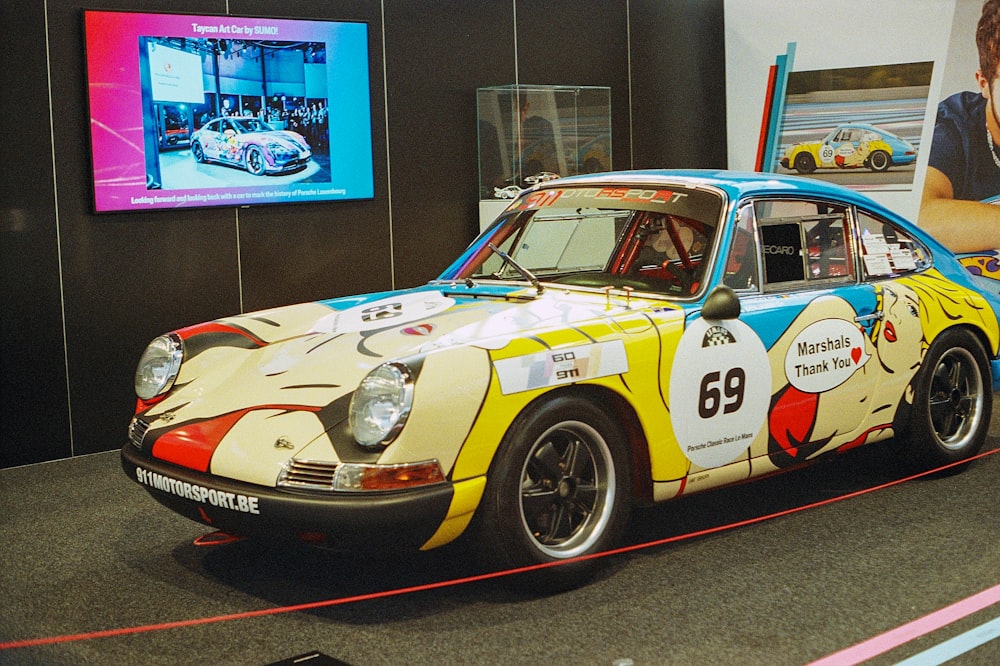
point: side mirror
(721, 303)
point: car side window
(804, 243)
(782, 244)
(741, 263)
(887, 250)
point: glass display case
(529, 132)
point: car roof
(740, 184)
(872, 128)
(736, 184)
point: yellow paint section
(497, 414)
(667, 461)
(463, 506)
(319, 450)
(268, 376)
(648, 366)
(703, 479)
(281, 323)
(451, 387)
(248, 453)
(666, 490)
(943, 302)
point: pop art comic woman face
(899, 336)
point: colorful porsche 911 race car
(851, 146)
(610, 341)
(250, 144)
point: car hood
(391, 325)
(250, 383)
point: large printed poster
(798, 71)
(856, 126)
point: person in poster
(964, 166)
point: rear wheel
(879, 161)
(559, 488)
(951, 402)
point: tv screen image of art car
(853, 146)
(251, 144)
(611, 341)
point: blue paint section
(459, 291)
(956, 646)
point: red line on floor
(125, 631)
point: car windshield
(251, 125)
(652, 239)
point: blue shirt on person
(960, 149)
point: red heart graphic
(856, 354)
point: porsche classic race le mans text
(610, 341)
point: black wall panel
(437, 54)
(296, 253)
(113, 282)
(679, 83)
(34, 422)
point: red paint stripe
(111, 633)
(192, 445)
(215, 327)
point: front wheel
(559, 488)
(951, 401)
(255, 160)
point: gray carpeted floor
(85, 550)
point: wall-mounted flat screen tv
(191, 111)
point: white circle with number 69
(720, 391)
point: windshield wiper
(525, 273)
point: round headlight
(158, 366)
(381, 404)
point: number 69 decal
(733, 386)
(720, 390)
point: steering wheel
(683, 277)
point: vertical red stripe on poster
(772, 76)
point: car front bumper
(400, 519)
(288, 163)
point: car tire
(952, 401)
(255, 160)
(198, 152)
(559, 488)
(879, 161)
(804, 163)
